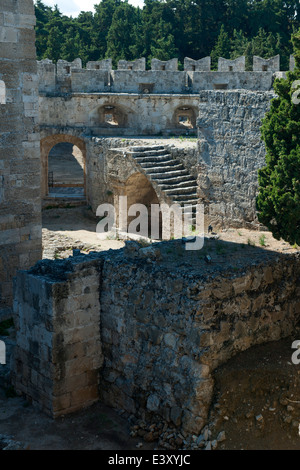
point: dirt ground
(256, 399)
(79, 226)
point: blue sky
(74, 7)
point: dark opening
(220, 86)
(65, 171)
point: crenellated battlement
(163, 77)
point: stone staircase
(169, 174)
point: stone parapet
(164, 76)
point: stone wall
(149, 331)
(164, 76)
(20, 202)
(231, 150)
(149, 82)
(58, 352)
(133, 114)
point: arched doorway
(65, 171)
(139, 190)
(63, 167)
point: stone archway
(138, 190)
(47, 144)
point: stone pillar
(58, 354)
(20, 172)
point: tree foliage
(278, 202)
(168, 28)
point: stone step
(164, 169)
(168, 175)
(185, 200)
(177, 182)
(180, 191)
(63, 202)
(146, 148)
(153, 158)
(148, 153)
(159, 161)
(185, 185)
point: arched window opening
(110, 116)
(185, 118)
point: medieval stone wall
(231, 150)
(164, 76)
(114, 114)
(20, 201)
(142, 333)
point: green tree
(278, 201)
(184, 28)
(239, 44)
(54, 44)
(43, 14)
(102, 23)
(164, 48)
(121, 38)
(222, 47)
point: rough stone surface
(142, 336)
(231, 152)
(20, 203)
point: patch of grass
(240, 234)
(250, 242)
(262, 240)
(5, 325)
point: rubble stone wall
(231, 152)
(150, 335)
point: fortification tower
(20, 202)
